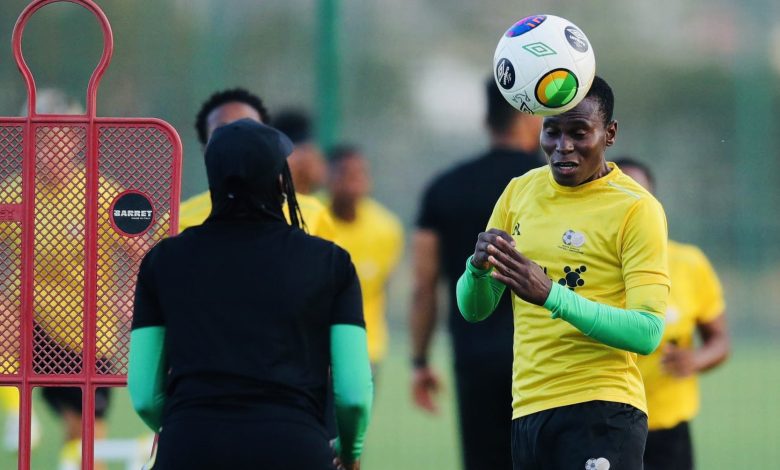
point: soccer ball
(544, 65)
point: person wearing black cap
(237, 322)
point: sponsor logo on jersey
(572, 277)
(573, 241)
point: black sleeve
(348, 302)
(428, 218)
(146, 309)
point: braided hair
(288, 190)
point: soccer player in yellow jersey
(696, 305)
(583, 249)
(60, 198)
(371, 234)
(223, 108)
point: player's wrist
(699, 361)
(553, 301)
(476, 270)
(419, 362)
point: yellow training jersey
(195, 210)
(599, 239)
(374, 240)
(58, 293)
(696, 297)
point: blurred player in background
(238, 321)
(307, 163)
(455, 207)
(60, 190)
(371, 234)
(696, 305)
(222, 108)
(583, 249)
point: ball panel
(576, 39)
(556, 88)
(505, 74)
(526, 24)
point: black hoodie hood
(243, 162)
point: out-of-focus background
(697, 86)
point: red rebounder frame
(82, 198)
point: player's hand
(678, 362)
(485, 239)
(346, 466)
(425, 385)
(352, 466)
(526, 278)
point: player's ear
(612, 129)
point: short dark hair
(628, 161)
(500, 114)
(295, 123)
(339, 152)
(227, 96)
(602, 92)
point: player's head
(349, 176)
(601, 92)
(637, 170)
(53, 101)
(226, 106)
(576, 140)
(307, 163)
(61, 148)
(246, 164)
(508, 126)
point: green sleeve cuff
(630, 330)
(353, 388)
(475, 271)
(146, 375)
(477, 293)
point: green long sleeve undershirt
(352, 384)
(477, 293)
(353, 388)
(146, 374)
(629, 329)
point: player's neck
(344, 209)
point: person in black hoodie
(238, 320)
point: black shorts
(52, 358)
(280, 439)
(669, 449)
(69, 399)
(582, 436)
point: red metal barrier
(82, 198)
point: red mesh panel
(60, 203)
(11, 164)
(123, 152)
(69, 247)
(11, 150)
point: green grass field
(737, 428)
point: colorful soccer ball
(544, 65)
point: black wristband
(419, 362)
